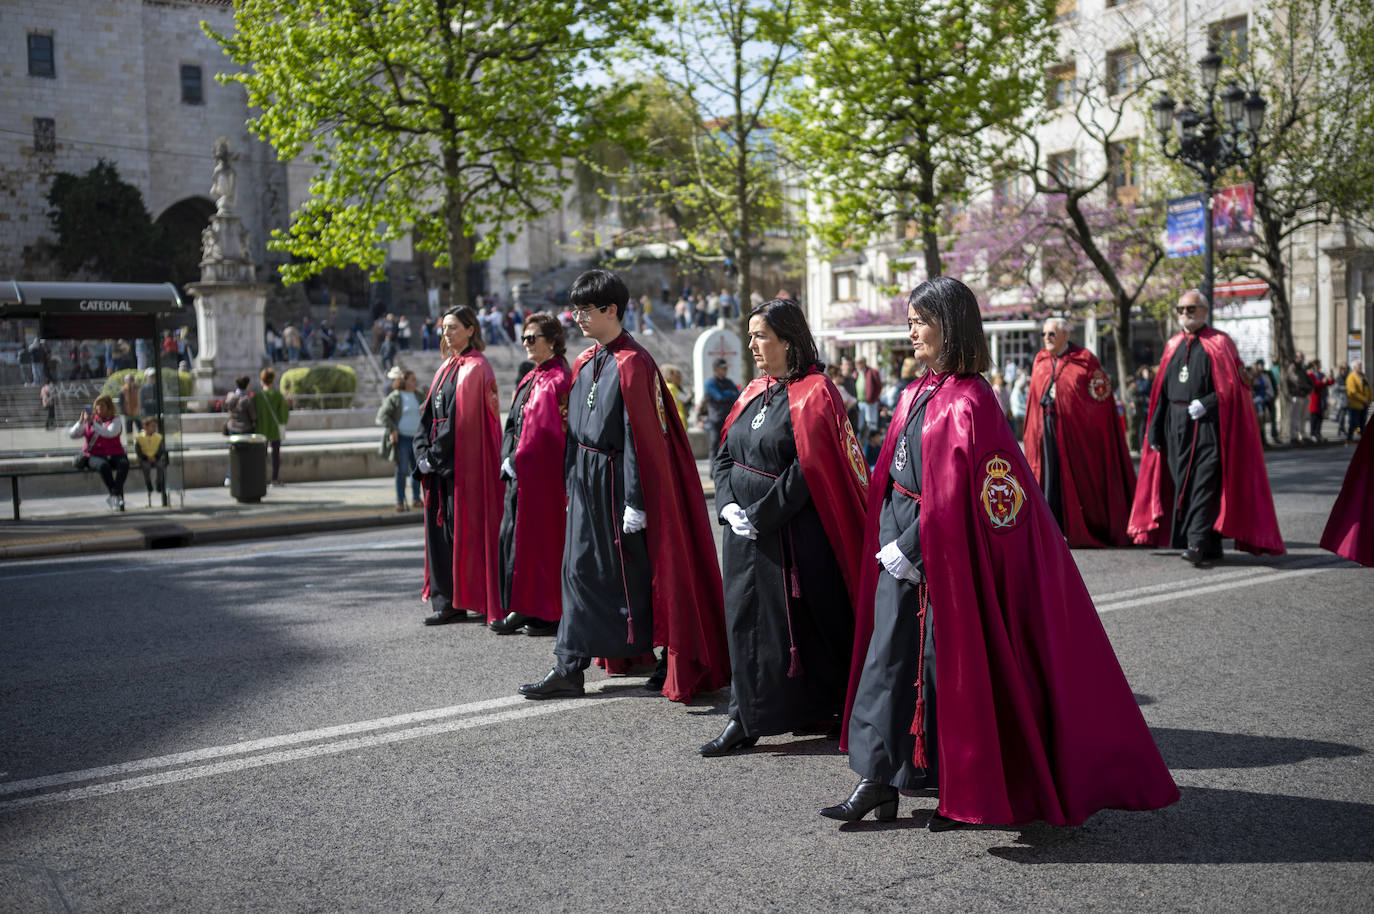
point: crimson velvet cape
(1247, 504)
(536, 587)
(475, 462)
(1035, 718)
(1350, 529)
(831, 461)
(1096, 475)
(689, 605)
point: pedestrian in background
(104, 451)
(1316, 400)
(1297, 386)
(1262, 393)
(48, 397)
(399, 417)
(129, 405)
(868, 387)
(273, 412)
(1339, 400)
(1357, 395)
(151, 450)
(682, 398)
(719, 398)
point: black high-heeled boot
(731, 738)
(869, 795)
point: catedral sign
(88, 305)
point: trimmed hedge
(321, 379)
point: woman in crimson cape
(457, 453)
(1350, 528)
(980, 666)
(532, 451)
(791, 483)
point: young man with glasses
(639, 560)
(1203, 476)
(1075, 444)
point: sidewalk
(68, 525)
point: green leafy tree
(897, 106)
(103, 227)
(443, 119)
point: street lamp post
(1207, 144)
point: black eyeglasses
(1186, 309)
(583, 312)
(1050, 333)
(530, 337)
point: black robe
(1192, 448)
(434, 442)
(1049, 445)
(510, 439)
(607, 608)
(880, 744)
(758, 470)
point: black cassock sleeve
(634, 494)
(910, 543)
(785, 497)
(720, 472)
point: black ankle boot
(869, 795)
(731, 738)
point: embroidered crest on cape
(1099, 387)
(662, 420)
(856, 454)
(1001, 495)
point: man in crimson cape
(458, 454)
(1202, 476)
(1035, 718)
(639, 560)
(1350, 529)
(1074, 443)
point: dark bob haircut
(787, 320)
(551, 329)
(468, 318)
(599, 288)
(950, 305)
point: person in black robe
(1185, 427)
(607, 606)
(785, 593)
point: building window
(44, 135)
(1064, 10)
(1059, 85)
(1123, 71)
(846, 285)
(1121, 165)
(1062, 167)
(41, 62)
(191, 93)
(1231, 38)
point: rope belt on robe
(791, 586)
(616, 528)
(918, 721)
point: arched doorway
(183, 222)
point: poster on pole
(1233, 217)
(1185, 226)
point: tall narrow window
(1231, 37)
(1062, 167)
(1123, 71)
(1060, 85)
(1064, 10)
(41, 61)
(44, 135)
(1121, 163)
(191, 92)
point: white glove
(634, 521)
(897, 564)
(508, 469)
(739, 522)
(1196, 410)
(424, 465)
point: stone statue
(209, 245)
(224, 184)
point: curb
(169, 534)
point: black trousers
(439, 540)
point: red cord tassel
(918, 720)
(795, 669)
(918, 728)
(796, 582)
(630, 628)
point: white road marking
(1247, 579)
(294, 755)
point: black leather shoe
(511, 624)
(540, 628)
(1212, 553)
(660, 674)
(869, 795)
(445, 616)
(942, 823)
(731, 738)
(1192, 555)
(553, 685)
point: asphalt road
(268, 727)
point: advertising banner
(1185, 226)
(1233, 218)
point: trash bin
(248, 467)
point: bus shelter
(94, 335)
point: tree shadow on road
(1209, 826)
(1194, 749)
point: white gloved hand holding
(739, 522)
(507, 469)
(634, 521)
(1196, 410)
(897, 564)
(424, 465)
